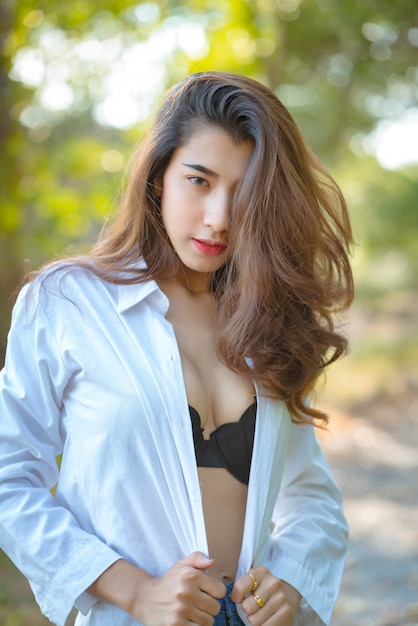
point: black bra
(229, 446)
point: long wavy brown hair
(289, 272)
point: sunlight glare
(130, 88)
(396, 142)
(57, 96)
(120, 111)
(146, 12)
(28, 67)
(192, 39)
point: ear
(158, 188)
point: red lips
(210, 248)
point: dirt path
(374, 455)
(373, 449)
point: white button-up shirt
(93, 373)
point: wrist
(120, 584)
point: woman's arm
(43, 539)
(309, 536)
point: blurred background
(78, 83)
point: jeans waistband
(228, 615)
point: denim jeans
(228, 615)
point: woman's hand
(184, 594)
(266, 598)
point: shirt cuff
(68, 587)
(317, 603)
(306, 615)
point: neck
(193, 292)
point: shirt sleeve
(309, 534)
(42, 538)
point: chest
(217, 393)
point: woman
(172, 369)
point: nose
(218, 212)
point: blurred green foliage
(340, 67)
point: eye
(198, 181)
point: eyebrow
(201, 168)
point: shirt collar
(132, 294)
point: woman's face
(196, 197)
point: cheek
(172, 218)
(177, 210)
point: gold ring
(255, 583)
(259, 600)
